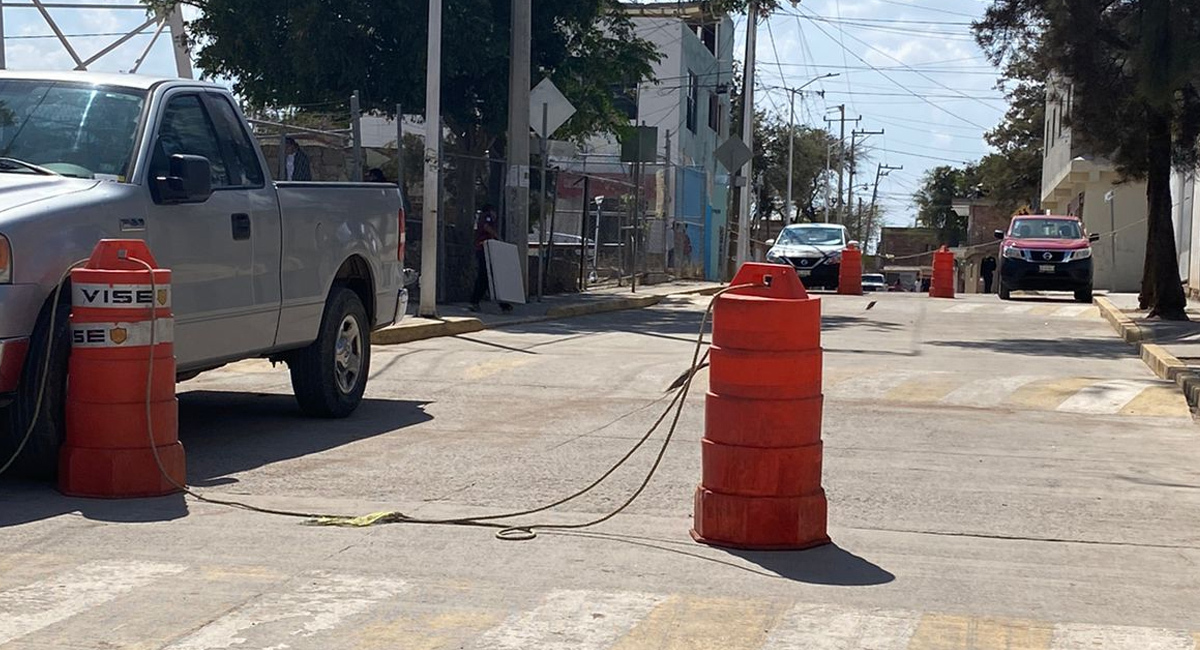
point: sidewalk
(1170, 348)
(455, 319)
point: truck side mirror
(999, 234)
(1094, 237)
(188, 180)
(770, 242)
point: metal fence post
(356, 131)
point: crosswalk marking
(686, 623)
(46, 602)
(1097, 637)
(1158, 400)
(1073, 311)
(823, 627)
(572, 620)
(1017, 309)
(988, 391)
(322, 602)
(965, 308)
(1047, 394)
(925, 389)
(944, 632)
(870, 385)
(1104, 397)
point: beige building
(1077, 183)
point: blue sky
(908, 67)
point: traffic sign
(558, 108)
(733, 154)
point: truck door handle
(241, 227)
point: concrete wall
(1129, 214)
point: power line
(903, 87)
(935, 81)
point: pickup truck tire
(330, 375)
(1084, 295)
(1005, 292)
(39, 458)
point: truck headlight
(774, 258)
(5, 261)
(836, 258)
(1081, 254)
(1012, 253)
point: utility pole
(183, 59)
(841, 108)
(880, 171)
(743, 240)
(517, 219)
(853, 164)
(792, 137)
(433, 141)
(3, 61)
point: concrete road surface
(1000, 475)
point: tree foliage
(939, 188)
(1134, 72)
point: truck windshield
(811, 236)
(1045, 229)
(72, 129)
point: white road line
(1099, 637)
(964, 309)
(27, 609)
(871, 386)
(1105, 397)
(1018, 309)
(992, 391)
(821, 627)
(1074, 311)
(572, 620)
(323, 602)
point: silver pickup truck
(294, 272)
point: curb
(1160, 361)
(453, 326)
(421, 331)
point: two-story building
(685, 190)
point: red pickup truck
(1046, 253)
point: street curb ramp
(426, 330)
(1156, 357)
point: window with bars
(693, 94)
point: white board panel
(504, 271)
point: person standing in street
(988, 271)
(298, 166)
(486, 229)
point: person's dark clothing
(988, 271)
(485, 230)
(481, 277)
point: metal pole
(583, 217)
(517, 217)
(828, 170)
(743, 236)
(183, 60)
(596, 241)
(400, 147)
(791, 154)
(1112, 218)
(432, 190)
(668, 211)
(356, 131)
(3, 61)
(542, 203)
(841, 160)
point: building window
(714, 112)
(1062, 118)
(693, 94)
(708, 35)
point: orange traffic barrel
(761, 452)
(942, 283)
(850, 272)
(119, 319)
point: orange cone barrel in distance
(115, 311)
(942, 283)
(761, 453)
(850, 272)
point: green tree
(1134, 70)
(1012, 177)
(939, 188)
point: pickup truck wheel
(330, 375)
(1084, 295)
(1005, 292)
(39, 458)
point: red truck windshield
(1045, 229)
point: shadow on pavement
(824, 565)
(223, 434)
(1063, 347)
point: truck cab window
(186, 129)
(243, 162)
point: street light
(792, 135)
